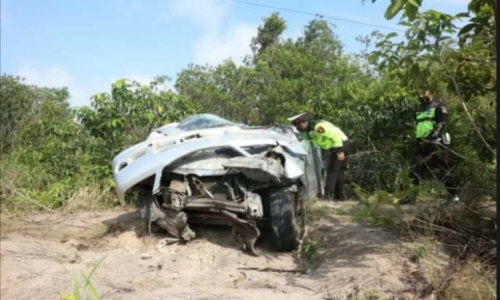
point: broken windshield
(201, 121)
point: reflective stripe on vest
(425, 122)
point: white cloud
(234, 43)
(56, 77)
(218, 40)
(205, 13)
(51, 77)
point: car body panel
(149, 159)
(206, 165)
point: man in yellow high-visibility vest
(329, 138)
(431, 141)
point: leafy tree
(460, 66)
(227, 90)
(410, 10)
(125, 116)
(287, 77)
(41, 145)
(310, 74)
(16, 100)
(38, 126)
(269, 33)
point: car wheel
(283, 220)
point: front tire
(283, 220)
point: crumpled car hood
(151, 157)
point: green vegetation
(51, 152)
(88, 286)
(311, 249)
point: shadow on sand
(220, 235)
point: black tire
(283, 220)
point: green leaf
(412, 9)
(467, 28)
(120, 83)
(462, 15)
(415, 70)
(394, 8)
(391, 35)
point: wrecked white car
(208, 169)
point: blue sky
(86, 45)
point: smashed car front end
(217, 174)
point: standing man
(329, 138)
(431, 141)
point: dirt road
(41, 253)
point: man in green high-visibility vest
(432, 141)
(331, 139)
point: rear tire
(283, 220)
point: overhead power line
(316, 15)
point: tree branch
(467, 112)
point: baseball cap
(298, 118)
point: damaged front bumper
(181, 182)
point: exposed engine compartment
(233, 195)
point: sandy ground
(41, 253)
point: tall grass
(467, 234)
(29, 188)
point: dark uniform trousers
(427, 158)
(335, 172)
